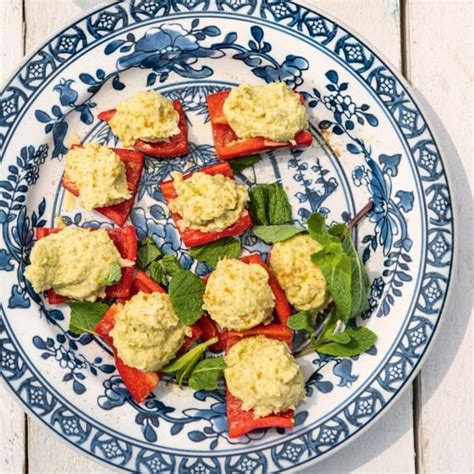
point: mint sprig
(239, 164)
(207, 373)
(183, 366)
(114, 276)
(213, 252)
(151, 259)
(347, 343)
(346, 276)
(186, 292)
(86, 315)
(269, 204)
(276, 233)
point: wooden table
(429, 429)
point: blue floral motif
(55, 121)
(168, 48)
(6, 263)
(314, 190)
(67, 358)
(263, 65)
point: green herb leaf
(85, 315)
(222, 248)
(171, 265)
(360, 340)
(148, 252)
(207, 373)
(337, 270)
(301, 321)
(239, 164)
(258, 204)
(318, 231)
(360, 282)
(186, 292)
(340, 338)
(279, 209)
(114, 276)
(269, 204)
(276, 233)
(184, 365)
(158, 273)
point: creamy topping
(98, 174)
(303, 282)
(272, 111)
(208, 203)
(74, 262)
(147, 116)
(147, 332)
(264, 375)
(238, 295)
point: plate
(372, 142)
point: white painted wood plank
(12, 417)
(440, 65)
(11, 36)
(45, 18)
(46, 453)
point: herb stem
(360, 215)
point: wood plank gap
(404, 37)
(24, 24)
(417, 425)
(26, 466)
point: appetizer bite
(82, 264)
(264, 384)
(147, 333)
(253, 119)
(238, 295)
(150, 123)
(104, 179)
(207, 205)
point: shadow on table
(458, 309)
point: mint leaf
(183, 365)
(207, 373)
(269, 205)
(171, 265)
(239, 164)
(186, 291)
(318, 231)
(279, 209)
(337, 270)
(276, 233)
(147, 253)
(211, 253)
(85, 315)
(360, 282)
(360, 340)
(158, 273)
(114, 276)
(301, 321)
(340, 338)
(258, 203)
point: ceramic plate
(371, 142)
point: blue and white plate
(372, 141)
